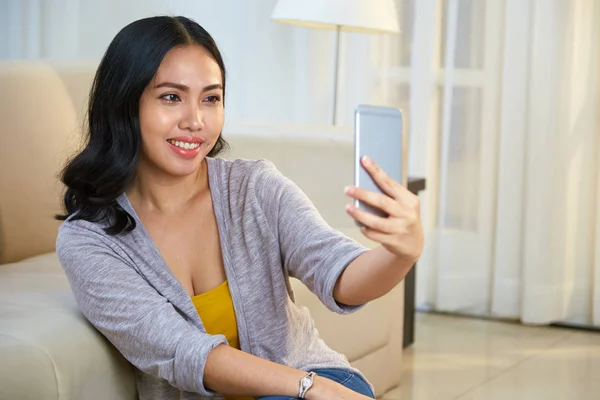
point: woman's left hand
(401, 232)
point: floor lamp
(371, 16)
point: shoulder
(242, 168)
(258, 185)
(79, 229)
(247, 173)
(76, 235)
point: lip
(183, 153)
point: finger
(377, 200)
(391, 187)
(409, 199)
(387, 184)
(371, 221)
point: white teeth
(184, 145)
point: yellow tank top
(215, 309)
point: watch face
(305, 381)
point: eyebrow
(185, 88)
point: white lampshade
(350, 15)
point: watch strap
(306, 383)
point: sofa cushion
(48, 349)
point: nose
(192, 119)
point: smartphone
(377, 134)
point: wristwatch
(306, 383)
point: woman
(182, 260)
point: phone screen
(377, 134)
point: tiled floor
(469, 359)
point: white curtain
(34, 29)
(504, 124)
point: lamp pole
(336, 72)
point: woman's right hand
(326, 389)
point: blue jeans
(346, 378)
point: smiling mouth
(184, 145)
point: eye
(171, 98)
(213, 99)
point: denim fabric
(347, 378)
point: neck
(156, 191)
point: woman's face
(181, 111)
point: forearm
(370, 276)
(235, 373)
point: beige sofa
(47, 349)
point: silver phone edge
(357, 163)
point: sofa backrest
(42, 107)
(38, 131)
(320, 162)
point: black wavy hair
(102, 171)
